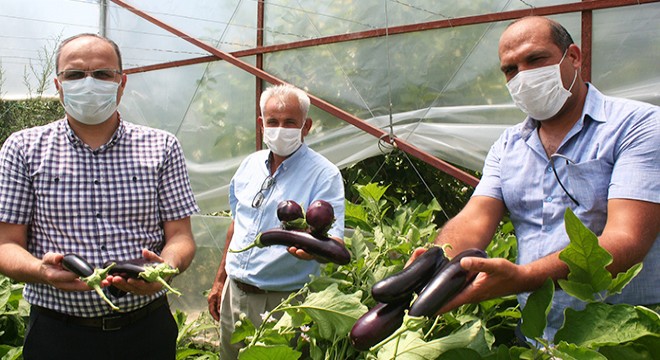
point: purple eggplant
(377, 324)
(289, 210)
(446, 283)
(143, 269)
(77, 265)
(325, 249)
(411, 279)
(320, 216)
(87, 273)
(290, 213)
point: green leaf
(333, 311)
(602, 324)
(645, 348)
(371, 191)
(244, 328)
(265, 352)
(566, 351)
(622, 279)
(582, 291)
(585, 258)
(411, 346)
(535, 312)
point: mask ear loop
(554, 170)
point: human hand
(301, 254)
(53, 273)
(496, 277)
(214, 299)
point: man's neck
(95, 136)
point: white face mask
(282, 141)
(540, 92)
(90, 101)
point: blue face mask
(88, 100)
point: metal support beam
(318, 102)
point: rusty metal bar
(585, 5)
(260, 65)
(320, 103)
(587, 34)
(232, 58)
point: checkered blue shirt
(104, 204)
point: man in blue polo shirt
(255, 281)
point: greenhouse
(421, 77)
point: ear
(307, 127)
(575, 55)
(122, 86)
(59, 89)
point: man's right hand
(214, 299)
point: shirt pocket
(590, 181)
(60, 194)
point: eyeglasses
(259, 198)
(554, 170)
(99, 74)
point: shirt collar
(593, 109)
(292, 158)
(75, 140)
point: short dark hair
(68, 40)
(560, 36)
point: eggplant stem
(94, 281)
(255, 243)
(167, 286)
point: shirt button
(98, 215)
(103, 248)
(548, 199)
(549, 169)
(96, 182)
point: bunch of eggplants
(434, 278)
(307, 231)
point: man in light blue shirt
(255, 281)
(578, 149)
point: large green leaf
(535, 312)
(411, 346)
(602, 324)
(333, 311)
(566, 351)
(267, 352)
(586, 260)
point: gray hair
(282, 92)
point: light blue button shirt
(613, 151)
(304, 177)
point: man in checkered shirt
(101, 187)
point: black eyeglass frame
(259, 197)
(554, 170)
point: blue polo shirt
(304, 177)
(613, 151)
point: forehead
(525, 36)
(277, 103)
(88, 52)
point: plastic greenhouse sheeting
(446, 92)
